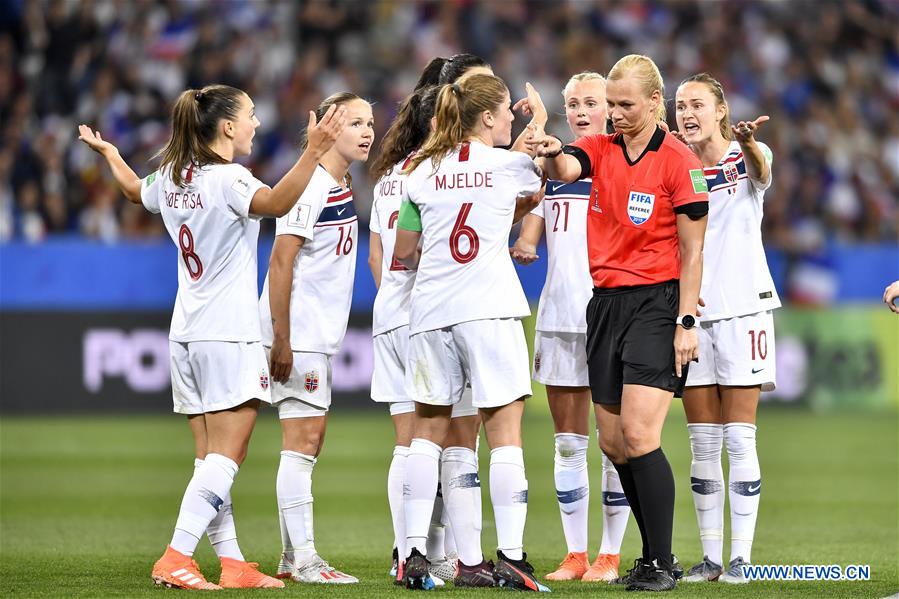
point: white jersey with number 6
(569, 286)
(323, 273)
(466, 210)
(208, 218)
(391, 308)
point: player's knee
(639, 440)
(613, 448)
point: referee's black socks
(654, 487)
(625, 475)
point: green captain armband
(410, 217)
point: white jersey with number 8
(466, 210)
(323, 273)
(208, 218)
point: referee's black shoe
(652, 577)
(677, 571)
(639, 564)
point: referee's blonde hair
(644, 70)
(457, 114)
(582, 76)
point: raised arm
(126, 178)
(532, 105)
(690, 234)
(556, 164)
(756, 166)
(280, 283)
(278, 200)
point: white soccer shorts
(308, 390)
(561, 359)
(736, 351)
(208, 376)
(491, 355)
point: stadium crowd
(826, 72)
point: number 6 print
(460, 230)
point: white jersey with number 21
(208, 218)
(466, 210)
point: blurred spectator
(826, 71)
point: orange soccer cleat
(604, 568)
(572, 567)
(245, 575)
(174, 569)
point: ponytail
(458, 111)
(195, 120)
(408, 131)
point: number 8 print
(191, 260)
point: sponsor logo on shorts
(639, 206)
(537, 362)
(311, 381)
(263, 380)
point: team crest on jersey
(311, 381)
(263, 380)
(730, 172)
(639, 206)
(537, 362)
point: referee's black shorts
(630, 340)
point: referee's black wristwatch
(688, 321)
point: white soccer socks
(396, 476)
(615, 509)
(509, 494)
(221, 531)
(707, 483)
(462, 502)
(745, 485)
(572, 488)
(419, 492)
(203, 499)
(294, 491)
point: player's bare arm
(525, 202)
(524, 251)
(375, 255)
(407, 250)
(691, 234)
(756, 166)
(280, 280)
(531, 105)
(278, 200)
(126, 178)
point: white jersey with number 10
(466, 211)
(208, 218)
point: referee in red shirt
(645, 232)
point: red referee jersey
(631, 226)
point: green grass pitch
(88, 504)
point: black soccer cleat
(516, 574)
(475, 576)
(639, 564)
(652, 577)
(677, 570)
(394, 566)
(415, 572)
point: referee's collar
(655, 142)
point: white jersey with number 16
(208, 218)
(466, 210)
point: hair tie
(456, 88)
(198, 94)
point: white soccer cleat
(444, 569)
(285, 566)
(734, 573)
(317, 571)
(704, 571)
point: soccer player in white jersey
(304, 309)
(736, 335)
(462, 197)
(211, 209)
(560, 354)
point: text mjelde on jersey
(463, 180)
